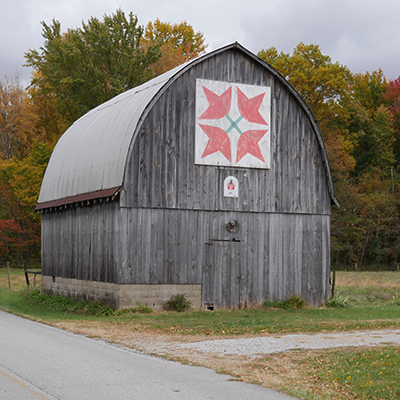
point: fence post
(26, 275)
(8, 273)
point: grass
(371, 304)
(364, 300)
(367, 374)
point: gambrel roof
(90, 158)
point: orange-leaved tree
(359, 133)
(178, 43)
(17, 119)
(20, 181)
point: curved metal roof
(89, 159)
(90, 156)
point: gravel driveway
(276, 344)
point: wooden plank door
(222, 274)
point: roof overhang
(84, 197)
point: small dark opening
(54, 278)
(211, 308)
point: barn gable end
(142, 218)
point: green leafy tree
(370, 123)
(87, 66)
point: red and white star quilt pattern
(232, 124)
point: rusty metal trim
(80, 197)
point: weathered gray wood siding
(276, 254)
(161, 172)
(169, 224)
(283, 212)
(82, 242)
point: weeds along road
(41, 362)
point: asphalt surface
(41, 362)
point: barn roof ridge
(138, 101)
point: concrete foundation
(120, 296)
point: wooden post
(8, 272)
(333, 283)
(26, 274)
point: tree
(355, 113)
(9, 239)
(370, 124)
(375, 144)
(178, 43)
(49, 121)
(20, 182)
(392, 96)
(87, 66)
(323, 85)
(319, 82)
(17, 119)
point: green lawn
(365, 300)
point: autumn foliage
(77, 69)
(359, 115)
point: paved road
(41, 362)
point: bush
(294, 302)
(338, 301)
(177, 302)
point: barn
(211, 180)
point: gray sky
(362, 34)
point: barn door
(222, 274)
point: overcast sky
(362, 34)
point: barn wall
(277, 255)
(82, 242)
(161, 172)
(169, 224)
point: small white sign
(231, 187)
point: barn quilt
(232, 124)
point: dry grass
(17, 279)
(378, 281)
